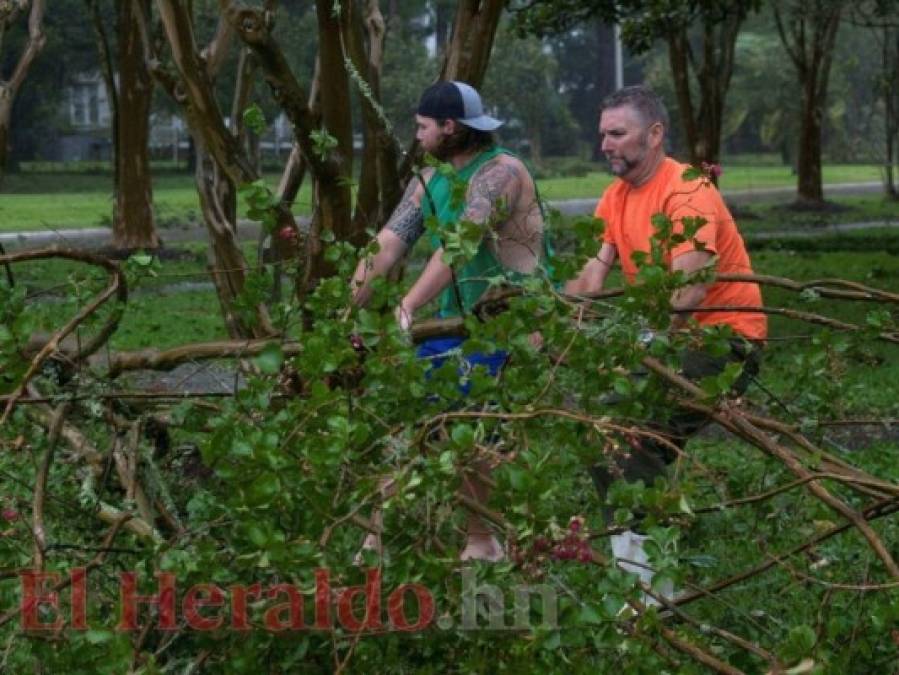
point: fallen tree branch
(879, 510)
(116, 287)
(738, 424)
(154, 359)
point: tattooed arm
(402, 230)
(493, 189)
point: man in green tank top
(500, 196)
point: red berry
(287, 232)
(584, 555)
(541, 544)
(10, 515)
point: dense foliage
(275, 486)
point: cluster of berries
(574, 545)
(288, 233)
(9, 514)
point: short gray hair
(642, 99)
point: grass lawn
(59, 199)
(735, 177)
(52, 201)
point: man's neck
(463, 158)
(647, 172)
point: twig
(40, 486)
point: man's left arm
(688, 297)
(490, 192)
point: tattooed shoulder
(493, 189)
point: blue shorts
(436, 350)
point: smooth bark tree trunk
(808, 31)
(810, 187)
(133, 224)
(712, 72)
(221, 162)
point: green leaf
(96, 637)
(254, 119)
(270, 359)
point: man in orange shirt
(633, 123)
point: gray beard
(628, 165)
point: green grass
(51, 200)
(771, 216)
(735, 177)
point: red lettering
(239, 594)
(78, 575)
(164, 601)
(322, 599)
(372, 594)
(33, 597)
(293, 607)
(397, 613)
(203, 595)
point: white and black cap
(457, 101)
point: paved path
(93, 237)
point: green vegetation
(736, 177)
(270, 487)
(58, 200)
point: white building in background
(89, 102)
(87, 128)
(87, 132)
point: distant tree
(584, 53)
(522, 83)
(10, 13)
(880, 18)
(808, 30)
(700, 36)
(130, 94)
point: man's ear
(449, 126)
(656, 135)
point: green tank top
(472, 279)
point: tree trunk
(226, 166)
(474, 30)
(10, 88)
(679, 58)
(379, 184)
(809, 38)
(810, 187)
(334, 210)
(703, 126)
(327, 166)
(5, 117)
(133, 225)
(891, 109)
(467, 55)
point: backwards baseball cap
(457, 101)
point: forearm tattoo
(492, 191)
(407, 220)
